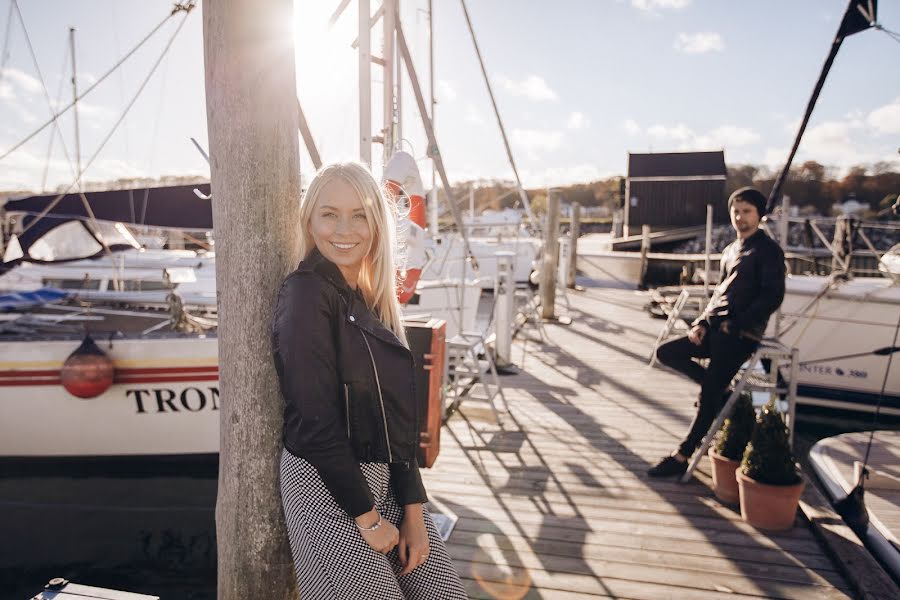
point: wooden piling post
(645, 250)
(252, 117)
(573, 244)
(550, 257)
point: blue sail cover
(21, 300)
(172, 207)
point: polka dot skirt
(333, 561)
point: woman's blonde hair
(377, 275)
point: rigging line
(522, 194)
(121, 61)
(56, 129)
(893, 34)
(90, 161)
(115, 29)
(37, 67)
(5, 56)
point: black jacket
(348, 388)
(751, 287)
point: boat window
(64, 243)
(136, 285)
(72, 284)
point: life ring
(401, 178)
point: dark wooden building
(672, 189)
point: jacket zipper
(347, 404)
(387, 437)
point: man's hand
(696, 334)
(413, 547)
(725, 327)
(384, 538)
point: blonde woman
(350, 486)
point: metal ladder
(748, 379)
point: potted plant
(726, 455)
(769, 479)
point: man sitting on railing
(751, 288)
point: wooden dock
(556, 504)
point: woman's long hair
(377, 275)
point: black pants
(726, 354)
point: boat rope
(886, 351)
(186, 7)
(863, 473)
(837, 278)
(40, 75)
(893, 34)
(118, 122)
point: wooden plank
(696, 549)
(555, 503)
(670, 558)
(533, 528)
(637, 582)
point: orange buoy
(88, 372)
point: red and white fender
(401, 177)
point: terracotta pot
(769, 507)
(725, 483)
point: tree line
(812, 186)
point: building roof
(675, 165)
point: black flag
(860, 15)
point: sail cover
(172, 207)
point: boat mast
(365, 85)
(75, 107)
(433, 201)
(387, 54)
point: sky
(579, 84)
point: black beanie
(751, 195)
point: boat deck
(556, 503)
(836, 461)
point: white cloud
(679, 132)
(699, 43)
(94, 113)
(684, 138)
(843, 143)
(445, 91)
(651, 6)
(577, 120)
(535, 141)
(631, 127)
(727, 135)
(533, 87)
(886, 119)
(551, 176)
(473, 115)
(21, 80)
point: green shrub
(768, 458)
(737, 429)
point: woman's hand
(384, 538)
(413, 547)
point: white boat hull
(164, 400)
(857, 317)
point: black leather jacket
(751, 287)
(348, 387)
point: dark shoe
(667, 467)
